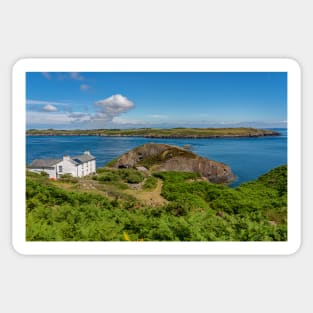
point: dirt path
(152, 198)
(149, 198)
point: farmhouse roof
(43, 163)
(46, 163)
(83, 158)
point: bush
(101, 170)
(131, 176)
(108, 177)
(150, 183)
(68, 178)
(276, 179)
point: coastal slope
(122, 205)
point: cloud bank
(105, 111)
(40, 102)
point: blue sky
(166, 99)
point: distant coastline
(169, 133)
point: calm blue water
(248, 157)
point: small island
(196, 133)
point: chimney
(66, 157)
(87, 152)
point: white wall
(93, 166)
(68, 167)
(79, 170)
(87, 168)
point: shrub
(150, 183)
(68, 178)
(107, 177)
(131, 176)
(101, 170)
(276, 179)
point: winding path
(152, 198)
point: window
(60, 168)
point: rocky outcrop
(162, 157)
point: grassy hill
(159, 132)
(125, 204)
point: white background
(241, 28)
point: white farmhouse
(77, 166)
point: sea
(248, 157)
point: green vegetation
(68, 178)
(112, 162)
(159, 132)
(194, 210)
(129, 175)
(150, 183)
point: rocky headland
(163, 157)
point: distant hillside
(159, 132)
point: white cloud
(79, 117)
(76, 76)
(46, 118)
(46, 75)
(115, 104)
(112, 107)
(57, 118)
(49, 108)
(55, 113)
(84, 87)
